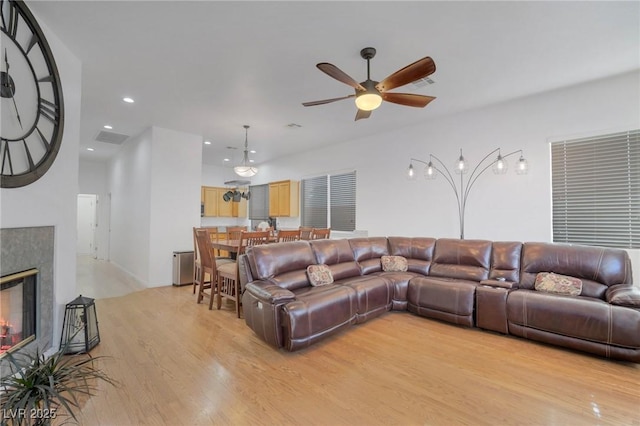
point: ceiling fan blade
(417, 70)
(362, 114)
(326, 101)
(408, 99)
(335, 72)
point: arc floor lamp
(462, 189)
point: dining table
(233, 246)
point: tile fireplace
(18, 314)
(27, 312)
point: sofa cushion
(319, 275)
(337, 254)
(597, 267)
(284, 264)
(584, 318)
(418, 252)
(394, 264)
(624, 295)
(505, 260)
(560, 284)
(461, 259)
(367, 252)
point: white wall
(176, 169)
(52, 200)
(154, 183)
(130, 187)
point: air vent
(423, 82)
(111, 137)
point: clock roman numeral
(49, 110)
(44, 140)
(32, 42)
(12, 25)
(6, 158)
(29, 158)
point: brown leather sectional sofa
(474, 283)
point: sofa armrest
(269, 293)
(623, 295)
(500, 284)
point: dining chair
(233, 232)
(305, 232)
(207, 265)
(229, 274)
(214, 236)
(288, 235)
(196, 262)
(320, 233)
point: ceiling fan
(369, 94)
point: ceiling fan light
(368, 101)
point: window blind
(259, 202)
(596, 190)
(314, 202)
(342, 189)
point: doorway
(87, 223)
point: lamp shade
(245, 171)
(500, 166)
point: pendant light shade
(245, 169)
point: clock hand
(6, 61)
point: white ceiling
(209, 67)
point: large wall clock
(32, 107)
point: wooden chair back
(233, 232)
(305, 232)
(252, 238)
(320, 233)
(288, 235)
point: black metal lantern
(80, 327)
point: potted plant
(40, 389)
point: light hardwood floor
(180, 364)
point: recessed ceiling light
(128, 100)
(90, 149)
(107, 126)
(226, 159)
(207, 142)
(253, 151)
(251, 161)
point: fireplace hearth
(18, 313)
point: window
(329, 201)
(596, 190)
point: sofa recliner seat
(473, 283)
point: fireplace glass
(17, 310)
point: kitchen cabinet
(215, 206)
(284, 198)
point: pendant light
(245, 169)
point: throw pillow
(559, 284)
(394, 263)
(319, 275)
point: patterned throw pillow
(319, 275)
(560, 284)
(394, 264)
